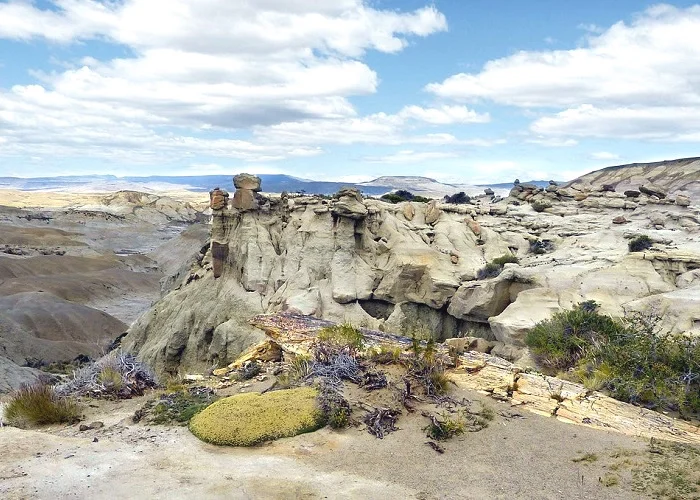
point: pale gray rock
(248, 182)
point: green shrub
(441, 429)
(401, 195)
(563, 340)
(179, 407)
(495, 267)
(640, 243)
(505, 259)
(460, 198)
(629, 358)
(252, 418)
(40, 405)
(342, 336)
(392, 198)
(420, 199)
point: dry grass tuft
(40, 405)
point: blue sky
(459, 90)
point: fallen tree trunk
(537, 393)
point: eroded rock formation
(412, 267)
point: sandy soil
(530, 457)
(60, 199)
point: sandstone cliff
(412, 267)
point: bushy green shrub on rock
(628, 358)
(252, 418)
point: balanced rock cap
(247, 181)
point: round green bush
(252, 418)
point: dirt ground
(518, 456)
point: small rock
(83, 428)
(608, 188)
(682, 200)
(488, 192)
(631, 193)
(194, 378)
(620, 220)
(97, 425)
(95, 440)
(653, 190)
(454, 259)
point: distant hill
(271, 183)
(425, 186)
(109, 183)
(676, 176)
(509, 185)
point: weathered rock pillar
(218, 201)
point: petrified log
(567, 401)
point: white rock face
(411, 267)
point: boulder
(432, 212)
(409, 211)
(653, 190)
(608, 188)
(682, 200)
(348, 203)
(488, 192)
(474, 227)
(247, 181)
(218, 199)
(631, 193)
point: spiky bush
(117, 374)
(39, 404)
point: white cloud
(670, 123)
(409, 156)
(203, 65)
(552, 142)
(638, 80)
(444, 115)
(604, 155)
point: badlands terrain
(182, 274)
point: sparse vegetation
(178, 407)
(640, 243)
(460, 198)
(252, 418)
(588, 458)
(444, 427)
(341, 337)
(425, 367)
(495, 267)
(116, 375)
(403, 195)
(39, 404)
(629, 358)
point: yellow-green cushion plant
(252, 418)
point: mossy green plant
(252, 418)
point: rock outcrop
(412, 267)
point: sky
(471, 91)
